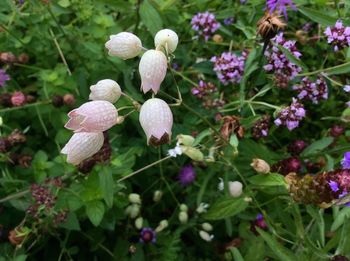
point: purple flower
(346, 88)
(334, 186)
(147, 235)
(203, 89)
(258, 222)
(348, 103)
(205, 24)
(338, 36)
(280, 6)
(313, 91)
(3, 77)
(278, 62)
(291, 115)
(229, 67)
(260, 128)
(346, 160)
(186, 175)
(228, 21)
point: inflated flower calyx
(162, 225)
(94, 116)
(260, 166)
(82, 145)
(124, 45)
(105, 90)
(156, 120)
(183, 217)
(235, 188)
(139, 222)
(186, 140)
(207, 227)
(152, 68)
(134, 198)
(167, 39)
(192, 153)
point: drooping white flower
(82, 145)
(167, 39)
(152, 68)
(105, 90)
(124, 45)
(156, 120)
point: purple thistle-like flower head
(4, 77)
(187, 175)
(346, 160)
(147, 235)
(280, 6)
(338, 35)
(205, 24)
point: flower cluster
(9, 58)
(205, 91)
(313, 91)
(4, 77)
(280, 6)
(291, 115)
(260, 128)
(229, 67)
(277, 60)
(205, 24)
(338, 36)
(287, 166)
(187, 175)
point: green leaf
(106, 183)
(150, 17)
(317, 16)
(236, 254)
(317, 146)
(339, 69)
(272, 179)
(281, 252)
(226, 207)
(201, 136)
(72, 222)
(341, 217)
(95, 211)
(292, 58)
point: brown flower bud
(301, 36)
(25, 160)
(16, 137)
(57, 101)
(7, 57)
(23, 58)
(30, 98)
(217, 38)
(5, 145)
(5, 99)
(269, 25)
(260, 166)
(69, 99)
(14, 237)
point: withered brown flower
(231, 125)
(269, 25)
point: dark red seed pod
(57, 101)
(69, 99)
(337, 131)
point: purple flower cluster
(261, 127)
(278, 62)
(346, 160)
(313, 91)
(187, 175)
(4, 77)
(205, 24)
(338, 36)
(291, 115)
(203, 89)
(280, 6)
(229, 67)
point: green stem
(324, 70)
(183, 77)
(14, 196)
(25, 106)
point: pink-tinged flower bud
(105, 90)
(82, 145)
(260, 166)
(152, 68)
(18, 99)
(156, 120)
(94, 116)
(235, 188)
(124, 45)
(167, 39)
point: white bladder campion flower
(156, 120)
(82, 145)
(167, 39)
(94, 116)
(124, 45)
(152, 68)
(105, 90)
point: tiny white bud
(221, 184)
(162, 225)
(134, 198)
(202, 208)
(106, 90)
(183, 207)
(124, 45)
(183, 217)
(166, 38)
(206, 236)
(139, 222)
(248, 199)
(235, 188)
(134, 210)
(207, 227)
(157, 195)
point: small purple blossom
(203, 89)
(229, 20)
(261, 127)
(278, 62)
(313, 91)
(229, 67)
(280, 6)
(346, 88)
(348, 104)
(338, 36)
(4, 77)
(205, 24)
(334, 186)
(147, 235)
(186, 175)
(346, 160)
(291, 115)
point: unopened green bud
(186, 140)
(193, 153)
(157, 195)
(183, 217)
(134, 211)
(139, 222)
(134, 198)
(183, 207)
(207, 227)
(162, 225)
